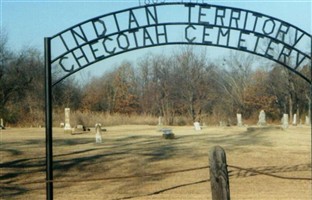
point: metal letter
(116, 22)
(186, 33)
(135, 38)
(127, 41)
(189, 5)
(266, 54)
(147, 36)
(94, 50)
(256, 20)
(200, 14)
(63, 67)
(64, 42)
(233, 18)
(265, 25)
(257, 42)
(149, 15)
(206, 34)
(227, 33)
(104, 45)
(83, 55)
(161, 34)
(282, 31)
(240, 41)
(285, 53)
(96, 30)
(298, 39)
(77, 35)
(219, 15)
(132, 19)
(299, 61)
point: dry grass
(140, 150)
(89, 119)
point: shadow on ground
(114, 155)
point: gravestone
(239, 120)
(307, 121)
(1, 124)
(294, 122)
(285, 121)
(167, 133)
(80, 127)
(261, 121)
(98, 133)
(160, 121)
(197, 126)
(67, 127)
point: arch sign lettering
(170, 23)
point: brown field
(135, 162)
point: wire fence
(240, 172)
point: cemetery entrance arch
(171, 23)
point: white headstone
(80, 127)
(67, 127)
(98, 133)
(197, 126)
(160, 121)
(285, 121)
(294, 122)
(239, 120)
(262, 121)
(1, 124)
(307, 121)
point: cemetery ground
(135, 162)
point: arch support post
(48, 119)
(219, 179)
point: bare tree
(234, 77)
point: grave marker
(160, 121)
(167, 133)
(307, 121)
(197, 126)
(98, 133)
(239, 120)
(1, 124)
(285, 121)
(294, 122)
(67, 127)
(261, 121)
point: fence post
(219, 179)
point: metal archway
(152, 25)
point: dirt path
(135, 162)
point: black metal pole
(48, 118)
(310, 117)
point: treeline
(187, 84)
(21, 85)
(183, 87)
